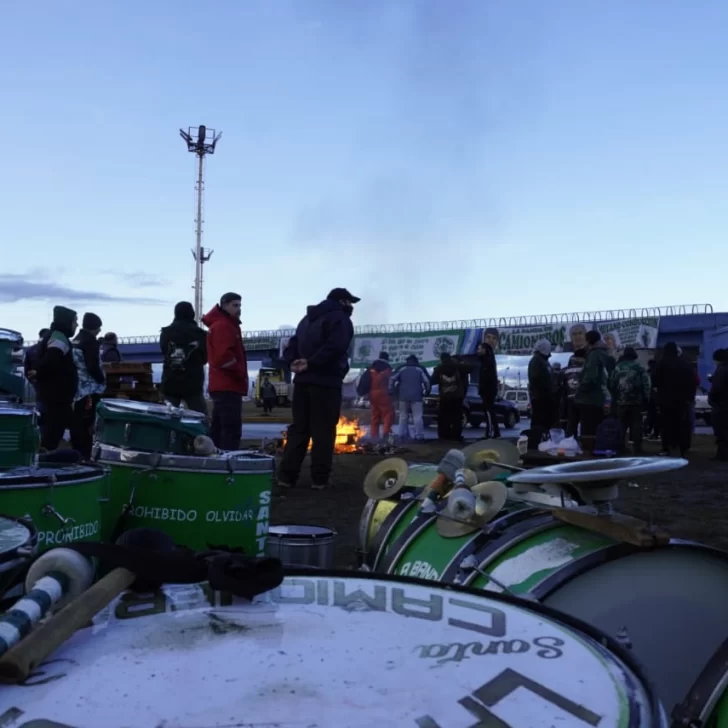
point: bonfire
(348, 434)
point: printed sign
(426, 346)
(372, 652)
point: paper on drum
(330, 651)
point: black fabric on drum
(241, 575)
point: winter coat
(375, 379)
(629, 384)
(225, 353)
(449, 378)
(594, 378)
(322, 338)
(184, 347)
(675, 381)
(488, 375)
(718, 395)
(87, 357)
(110, 354)
(411, 383)
(572, 374)
(57, 376)
(540, 380)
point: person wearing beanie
(110, 353)
(411, 383)
(374, 384)
(629, 385)
(318, 354)
(541, 389)
(56, 377)
(184, 347)
(591, 394)
(91, 383)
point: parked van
(520, 398)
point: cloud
(34, 286)
(137, 279)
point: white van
(520, 398)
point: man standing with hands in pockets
(318, 355)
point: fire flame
(348, 433)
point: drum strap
(225, 570)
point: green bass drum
(665, 601)
(148, 427)
(221, 500)
(19, 435)
(63, 502)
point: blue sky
(443, 160)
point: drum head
(332, 651)
(13, 535)
(13, 336)
(150, 409)
(672, 602)
(11, 409)
(47, 475)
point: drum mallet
(453, 461)
(54, 579)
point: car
(520, 398)
(473, 415)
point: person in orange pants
(374, 383)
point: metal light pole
(200, 141)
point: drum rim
(570, 622)
(374, 554)
(32, 541)
(111, 403)
(415, 528)
(15, 336)
(326, 531)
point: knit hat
(543, 347)
(91, 322)
(184, 311)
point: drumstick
(18, 662)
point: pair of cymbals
(481, 456)
(490, 497)
(386, 479)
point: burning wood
(348, 434)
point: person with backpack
(184, 347)
(629, 385)
(411, 383)
(572, 373)
(56, 377)
(448, 377)
(375, 384)
(591, 394)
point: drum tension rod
(49, 510)
(470, 564)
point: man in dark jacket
(374, 384)
(91, 383)
(448, 376)
(630, 387)
(591, 395)
(718, 400)
(56, 377)
(30, 362)
(184, 347)
(110, 353)
(676, 387)
(488, 388)
(228, 371)
(572, 374)
(541, 388)
(318, 354)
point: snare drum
(11, 384)
(147, 427)
(335, 649)
(302, 545)
(62, 502)
(19, 435)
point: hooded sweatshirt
(322, 338)
(226, 353)
(57, 377)
(594, 376)
(375, 380)
(184, 346)
(411, 381)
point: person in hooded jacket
(91, 383)
(541, 388)
(488, 387)
(56, 377)
(228, 371)
(448, 376)
(110, 353)
(184, 347)
(630, 387)
(572, 373)
(412, 383)
(318, 354)
(591, 394)
(718, 400)
(676, 388)
(374, 383)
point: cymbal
(480, 454)
(491, 494)
(386, 479)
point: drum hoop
(327, 532)
(416, 527)
(537, 522)
(162, 413)
(32, 540)
(44, 481)
(365, 523)
(375, 551)
(567, 620)
(493, 531)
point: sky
(442, 160)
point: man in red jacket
(228, 371)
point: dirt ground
(691, 503)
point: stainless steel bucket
(302, 545)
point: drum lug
(127, 433)
(51, 511)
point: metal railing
(274, 335)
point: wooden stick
(19, 661)
(624, 529)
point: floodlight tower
(200, 141)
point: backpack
(629, 385)
(450, 385)
(177, 355)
